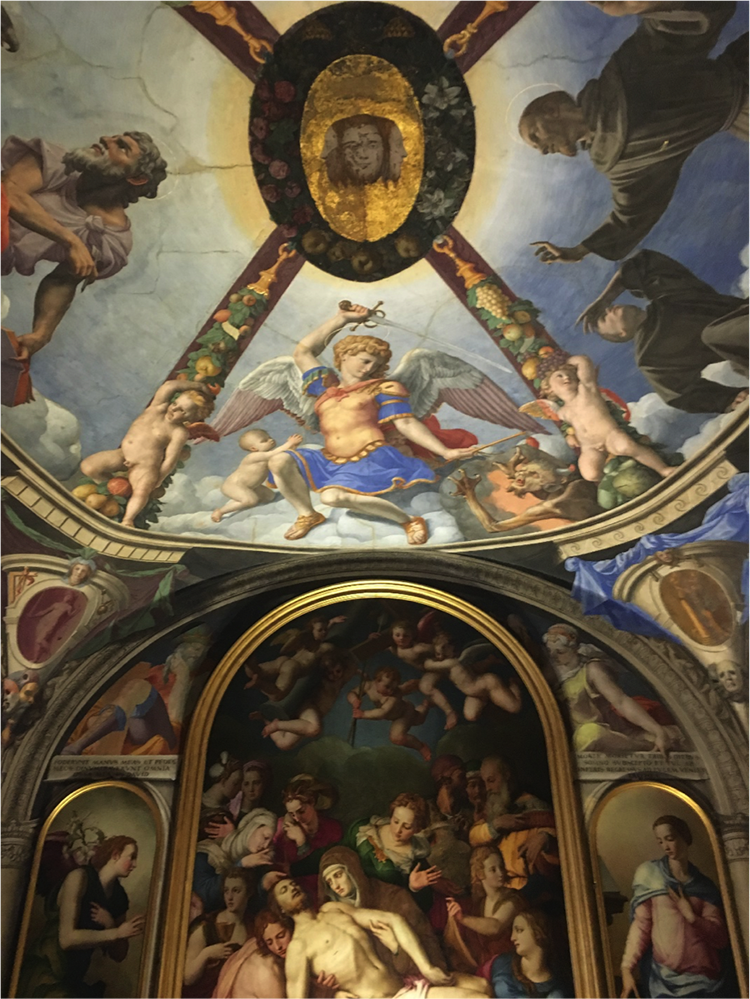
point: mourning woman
(87, 911)
(393, 848)
(304, 833)
(248, 847)
(226, 780)
(678, 933)
(215, 937)
(256, 779)
(528, 971)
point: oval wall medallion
(362, 139)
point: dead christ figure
(337, 941)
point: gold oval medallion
(362, 147)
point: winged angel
(352, 406)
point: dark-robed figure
(88, 910)
(656, 100)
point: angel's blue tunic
(380, 471)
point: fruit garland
(213, 360)
(210, 363)
(513, 327)
(111, 497)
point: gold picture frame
(147, 954)
(682, 804)
(585, 946)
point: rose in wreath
(259, 153)
(302, 215)
(283, 91)
(259, 128)
(278, 169)
(270, 193)
(263, 90)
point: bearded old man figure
(69, 208)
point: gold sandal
(303, 525)
(417, 531)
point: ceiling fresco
(362, 280)
(357, 170)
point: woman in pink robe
(678, 933)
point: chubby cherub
(469, 672)
(387, 692)
(334, 668)
(151, 447)
(598, 435)
(298, 651)
(246, 487)
(404, 644)
(415, 653)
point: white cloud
(48, 433)
(723, 373)
(662, 423)
(187, 508)
(741, 284)
(707, 432)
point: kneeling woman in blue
(527, 972)
(354, 405)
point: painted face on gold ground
(363, 150)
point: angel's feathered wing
(543, 408)
(272, 386)
(433, 377)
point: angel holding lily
(352, 404)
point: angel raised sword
(352, 405)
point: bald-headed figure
(657, 99)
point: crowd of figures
(456, 895)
